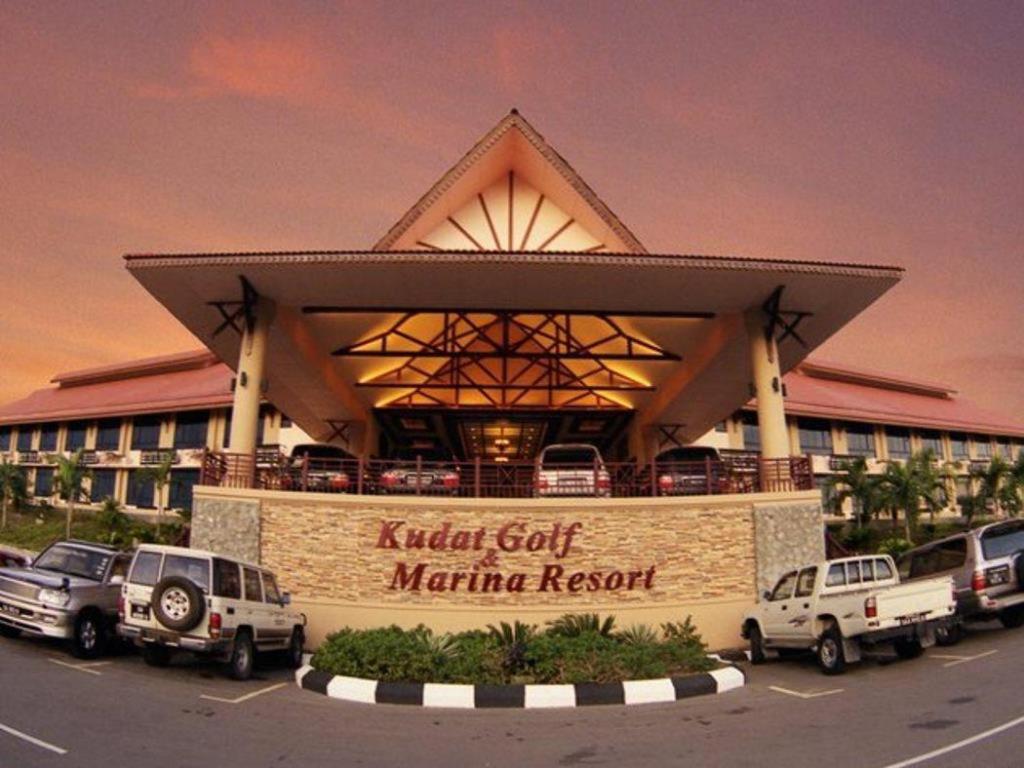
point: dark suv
(690, 470)
(987, 567)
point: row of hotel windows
(815, 436)
(191, 430)
(139, 492)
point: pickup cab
(837, 607)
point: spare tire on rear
(178, 603)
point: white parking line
(957, 745)
(87, 668)
(246, 697)
(799, 695)
(960, 659)
(32, 739)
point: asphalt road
(879, 715)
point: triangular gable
(511, 192)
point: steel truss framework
(506, 359)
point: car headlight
(55, 598)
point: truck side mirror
(286, 599)
(767, 594)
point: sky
(862, 132)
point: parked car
(571, 469)
(837, 607)
(690, 470)
(69, 592)
(432, 471)
(318, 467)
(209, 604)
(987, 567)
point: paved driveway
(56, 711)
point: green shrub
(638, 634)
(573, 624)
(858, 539)
(894, 546)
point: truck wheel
(949, 634)
(178, 603)
(756, 645)
(242, 653)
(908, 648)
(295, 648)
(831, 657)
(90, 637)
(156, 655)
(1011, 618)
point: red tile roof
(848, 394)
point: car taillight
(389, 478)
(604, 483)
(665, 481)
(870, 608)
(339, 481)
(120, 607)
(214, 625)
(451, 480)
(978, 581)
(542, 482)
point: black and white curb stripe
(518, 696)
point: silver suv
(69, 591)
(987, 567)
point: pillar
(767, 380)
(245, 410)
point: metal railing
(511, 479)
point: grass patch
(573, 649)
(35, 527)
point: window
(190, 429)
(815, 436)
(227, 430)
(751, 433)
(252, 585)
(146, 569)
(805, 584)
(182, 482)
(140, 490)
(853, 573)
(226, 581)
(25, 438)
(898, 443)
(48, 437)
(958, 443)
(932, 441)
(5, 438)
(120, 566)
(924, 563)
(882, 570)
(76, 436)
(867, 570)
(860, 440)
(270, 588)
(784, 589)
(951, 554)
(1003, 446)
(145, 433)
(195, 569)
(108, 435)
(286, 422)
(836, 576)
(44, 482)
(74, 561)
(1003, 540)
(102, 484)
(261, 425)
(982, 447)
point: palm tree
(853, 481)
(69, 482)
(993, 480)
(12, 488)
(905, 486)
(160, 476)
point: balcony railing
(511, 479)
(151, 457)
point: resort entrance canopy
(509, 287)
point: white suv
(207, 603)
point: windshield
(87, 564)
(1002, 541)
(580, 455)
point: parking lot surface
(952, 707)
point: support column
(245, 410)
(767, 380)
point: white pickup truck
(836, 607)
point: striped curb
(518, 696)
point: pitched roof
(849, 394)
(491, 144)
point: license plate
(912, 619)
(140, 612)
